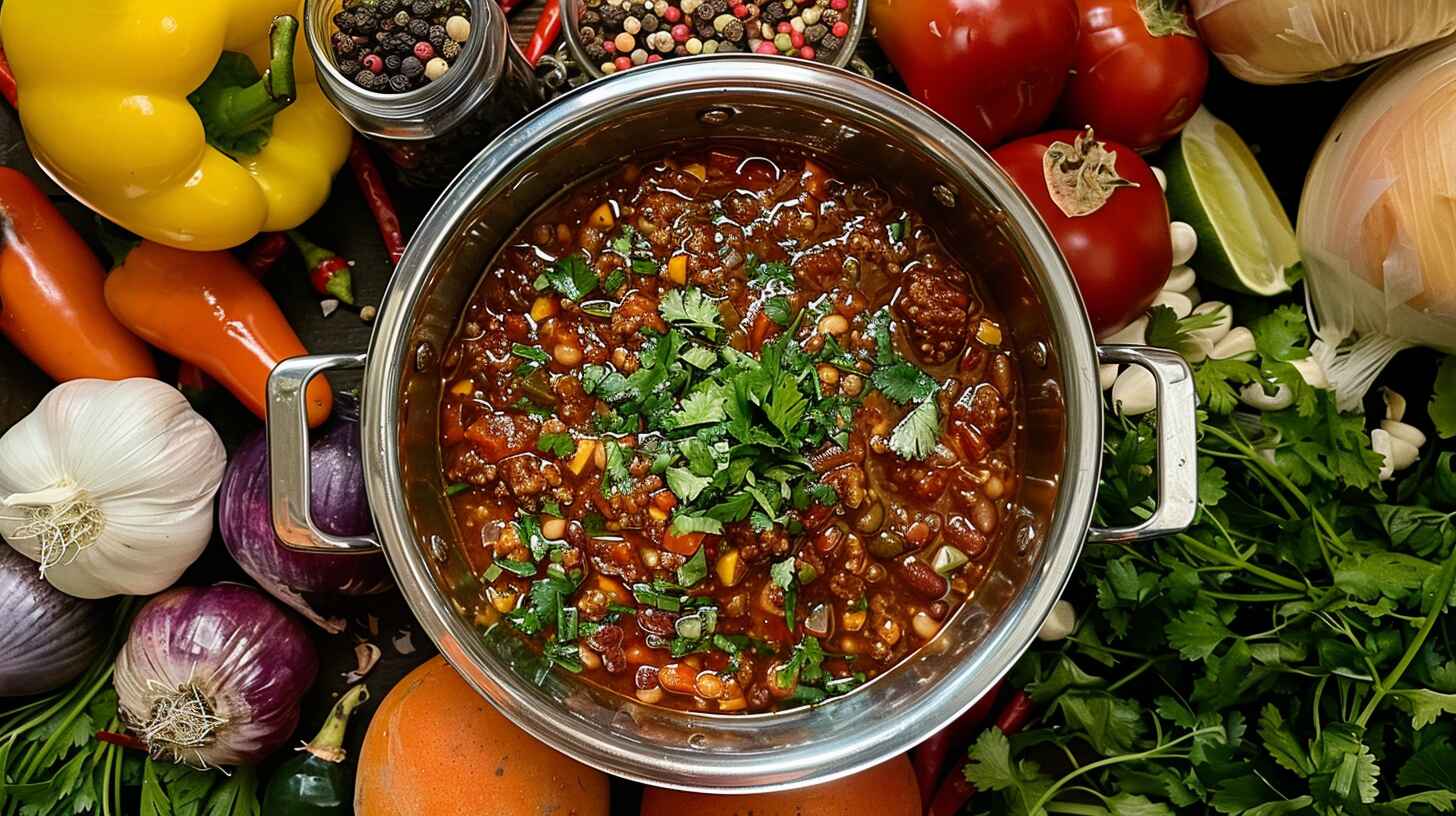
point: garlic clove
(1402, 453)
(1223, 313)
(1253, 396)
(1185, 242)
(1410, 434)
(1196, 349)
(1194, 296)
(1313, 373)
(1380, 443)
(1181, 279)
(1161, 177)
(1238, 344)
(1060, 623)
(1134, 392)
(1394, 404)
(1133, 334)
(1181, 305)
(1106, 376)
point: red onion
(339, 507)
(213, 676)
(48, 637)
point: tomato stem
(1165, 18)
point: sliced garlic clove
(1394, 404)
(1181, 279)
(1380, 443)
(1225, 316)
(1253, 396)
(1061, 622)
(1402, 453)
(1238, 344)
(1133, 334)
(1196, 349)
(1194, 296)
(1313, 373)
(1181, 305)
(1409, 433)
(1134, 392)
(1106, 376)
(1185, 242)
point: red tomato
(1139, 73)
(1107, 213)
(992, 67)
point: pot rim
(801, 764)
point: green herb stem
(235, 111)
(1218, 555)
(1154, 753)
(1441, 599)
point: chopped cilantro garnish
(918, 433)
(617, 476)
(778, 310)
(570, 276)
(557, 444)
(683, 524)
(691, 308)
(647, 594)
(784, 577)
(614, 280)
(456, 489)
(694, 569)
(525, 569)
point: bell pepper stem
(328, 745)
(237, 111)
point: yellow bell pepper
(117, 130)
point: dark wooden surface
(1283, 124)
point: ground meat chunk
(499, 435)
(637, 310)
(936, 311)
(524, 475)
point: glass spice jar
(430, 132)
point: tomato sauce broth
(727, 431)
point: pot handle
(288, 457)
(1177, 443)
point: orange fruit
(888, 789)
(436, 748)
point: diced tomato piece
(682, 544)
(761, 327)
(497, 436)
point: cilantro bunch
(1291, 653)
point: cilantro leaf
(570, 276)
(560, 444)
(614, 280)
(704, 405)
(683, 523)
(617, 477)
(685, 485)
(1442, 407)
(1214, 381)
(693, 309)
(992, 769)
(694, 569)
(778, 310)
(903, 383)
(918, 433)
(764, 273)
(1281, 335)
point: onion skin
(48, 637)
(339, 507)
(248, 660)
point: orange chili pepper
(51, 306)
(207, 309)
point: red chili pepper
(371, 184)
(329, 273)
(929, 757)
(508, 5)
(952, 795)
(265, 252)
(548, 28)
(124, 740)
(7, 82)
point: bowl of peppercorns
(396, 46)
(610, 36)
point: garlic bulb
(109, 486)
(1274, 42)
(1376, 224)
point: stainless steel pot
(970, 203)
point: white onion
(1377, 228)
(1274, 42)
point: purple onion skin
(47, 638)
(339, 506)
(252, 661)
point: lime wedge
(1245, 240)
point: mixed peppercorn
(394, 46)
(619, 34)
(727, 433)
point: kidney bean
(678, 678)
(656, 621)
(709, 685)
(963, 535)
(983, 515)
(922, 579)
(605, 638)
(614, 660)
(646, 677)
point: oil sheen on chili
(728, 432)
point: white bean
(1185, 242)
(1408, 433)
(1238, 344)
(1181, 279)
(1177, 301)
(1134, 392)
(1161, 177)
(1133, 334)
(1224, 314)
(1061, 622)
(925, 626)
(1196, 349)
(1194, 296)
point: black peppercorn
(391, 63)
(342, 43)
(726, 47)
(829, 17)
(613, 16)
(595, 51)
(815, 33)
(705, 32)
(399, 42)
(399, 84)
(411, 67)
(649, 22)
(365, 79)
(387, 7)
(830, 42)
(419, 29)
(348, 67)
(344, 21)
(773, 12)
(440, 6)
(387, 25)
(422, 8)
(591, 17)
(680, 51)
(450, 50)
(719, 6)
(733, 30)
(705, 13)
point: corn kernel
(657, 513)
(677, 269)
(584, 450)
(503, 601)
(697, 170)
(463, 387)
(602, 217)
(543, 307)
(988, 333)
(728, 568)
(853, 621)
